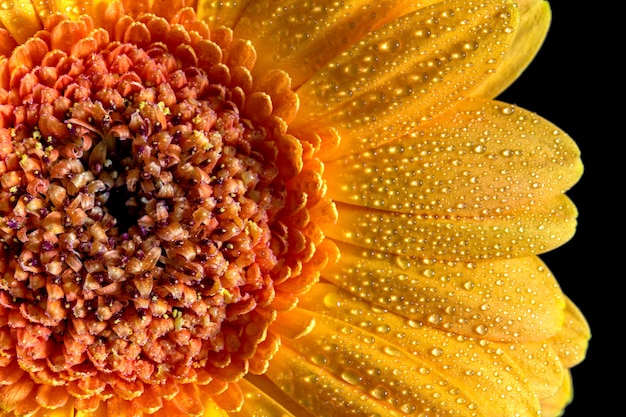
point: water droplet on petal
(351, 377)
(332, 300)
(436, 351)
(481, 329)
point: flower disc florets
(147, 195)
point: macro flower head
(280, 208)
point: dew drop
(435, 318)
(481, 329)
(423, 33)
(470, 46)
(384, 329)
(332, 300)
(428, 273)
(414, 324)
(508, 110)
(391, 46)
(480, 148)
(408, 408)
(351, 377)
(319, 359)
(379, 392)
(436, 351)
(392, 351)
(403, 262)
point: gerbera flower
(289, 208)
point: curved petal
(310, 34)
(221, 13)
(540, 363)
(363, 359)
(554, 406)
(264, 399)
(572, 341)
(71, 8)
(20, 20)
(504, 300)
(454, 238)
(442, 51)
(535, 17)
(481, 157)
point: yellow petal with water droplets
(309, 34)
(406, 72)
(71, 8)
(358, 350)
(514, 234)
(535, 16)
(294, 323)
(264, 399)
(554, 406)
(20, 19)
(539, 362)
(503, 300)
(572, 341)
(481, 157)
(321, 390)
(221, 13)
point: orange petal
(14, 394)
(26, 407)
(7, 44)
(187, 400)
(231, 399)
(11, 373)
(51, 397)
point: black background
(570, 83)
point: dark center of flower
(138, 207)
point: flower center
(143, 204)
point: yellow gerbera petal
(555, 405)
(71, 8)
(221, 13)
(313, 33)
(442, 52)
(264, 399)
(365, 352)
(20, 20)
(453, 238)
(480, 158)
(539, 362)
(508, 300)
(535, 16)
(573, 339)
